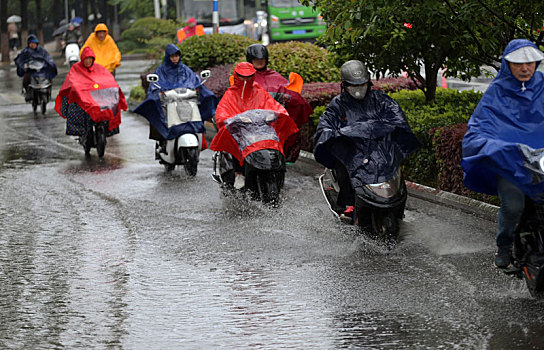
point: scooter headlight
(388, 188)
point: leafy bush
(450, 107)
(313, 63)
(137, 93)
(148, 35)
(201, 52)
(318, 111)
(320, 94)
(218, 82)
(447, 145)
(394, 84)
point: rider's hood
(88, 52)
(505, 78)
(244, 69)
(169, 51)
(101, 27)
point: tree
(4, 47)
(392, 36)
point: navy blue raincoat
(48, 71)
(510, 114)
(173, 76)
(369, 137)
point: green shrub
(318, 111)
(450, 107)
(201, 52)
(137, 93)
(313, 63)
(149, 35)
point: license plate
(300, 31)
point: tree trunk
(39, 20)
(431, 74)
(24, 22)
(4, 48)
(85, 30)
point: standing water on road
(119, 253)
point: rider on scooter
(243, 96)
(297, 107)
(172, 75)
(337, 149)
(90, 95)
(31, 52)
(509, 114)
(104, 47)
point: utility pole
(215, 17)
(157, 9)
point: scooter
(39, 87)
(528, 252)
(180, 106)
(71, 53)
(378, 207)
(95, 138)
(263, 170)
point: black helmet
(257, 51)
(354, 72)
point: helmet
(354, 72)
(256, 51)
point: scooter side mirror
(541, 163)
(152, 78)
(205, 74)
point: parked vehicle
(528, 252)
(263, 168)
(40, 86)
(290, 20)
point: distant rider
(337, 148)
(32, 52)
(511, 112)
(273, 82)
(191, 29)
(71, 35)
(104, 47)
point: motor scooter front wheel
(100, 134)
(191, 161)
(384, 225)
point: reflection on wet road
(118, 253)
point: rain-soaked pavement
(117, 253)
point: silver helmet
(354, 72)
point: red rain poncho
(93, 89)
(245, 96)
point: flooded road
(118, 253)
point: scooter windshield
(107, 99)
(252, 126)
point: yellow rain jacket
(107, 53)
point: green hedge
(206, 51)
(450, 107)
(148, 35)
(313, 63)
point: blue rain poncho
(172, 76)
(510, 114)
(27, 54)
(369, 137)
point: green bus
(289, 20)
